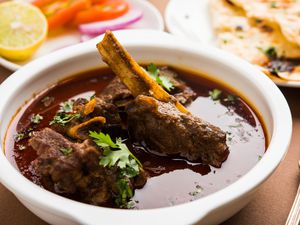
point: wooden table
(270, 205)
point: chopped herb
(37, 118)
(125, 192)
(163, 81)
(152, 70)
(131, 204)
(62, 118)
(66, 107)
(92, 97)
(66, 151)
(270, 52)
(103, 140)
(117, 154)
(47, 101)
(230, 98)
(21, 147)
(30, 134)
(259, 157)
(215, 94)
(274, 70)
(19, 136)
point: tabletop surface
(270, 205)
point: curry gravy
(173, 180)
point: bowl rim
(278, 146)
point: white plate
(191, 19)
(152, 19)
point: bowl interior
(236, 74)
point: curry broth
(173, 180)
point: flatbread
(283, 13)
(251, 39)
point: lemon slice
(23, 28)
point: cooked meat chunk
(118, 94)
(102, 107)
(168, 131)
(107, 110)
(95, 115)
(184, 94)
(73, 168)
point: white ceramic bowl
(148, 46)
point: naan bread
(250, 39)
(283, 13)
(246, 38)
(290, 27)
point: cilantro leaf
(66, 151)
(115, 153)
(20, 136)
(47, 101)
(102, 140)
(163, 81)
(125, 192)
(152, 70)
(231, 98)
(66, 107)
(36, 118)
(270, 52)
(215, 94)
(21, 147)
(62, 118)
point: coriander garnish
(19, 136)
(47, 101)
(62, 118)
(36, 118)
(163, 81)
(21, 147)
(66, 107)
(270, 52)
(230, 98)
(117, 154)
(152, 70)
(125, 192)
(215, 94)
(66, 151)
(93, 96)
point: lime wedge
(23, 28)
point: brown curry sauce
(173, 181)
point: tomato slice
(107, 10)
(59, 13)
